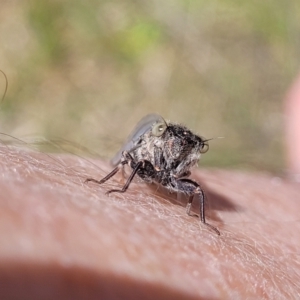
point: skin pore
(61, 238)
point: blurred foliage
(87, 71)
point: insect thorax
(173, 153)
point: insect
(163, 153)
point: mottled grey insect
(162, 152)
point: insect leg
(108, 176)
(192, 188)
(130, 178)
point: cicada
(162, 152)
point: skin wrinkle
(159, 243)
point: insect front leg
(193, 189)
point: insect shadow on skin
(163, 153)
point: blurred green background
(87, 71)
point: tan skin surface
(292, 130)
(61, 238)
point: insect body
(162, 152)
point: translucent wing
(144, 125)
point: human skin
(292, 130)
(64, 239)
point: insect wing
(144, 125)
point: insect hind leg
(108, 176)
(129, 180)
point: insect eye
(159, 129)
(204, 148)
